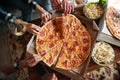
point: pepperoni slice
(64, 63)
(55, 30)
(61, 54)
(73, 33)
(51, 45)
(77, 27)
(50, 60)
(84, 33)
(80, 56)
(51, 36)
(43, 52)
(85, 40)
(40, 42)
(69, 50)
(61, 36)
(72, 63)
(65, 44)
(42, 34)
(85, 49)
(75, 43)
(67, 27)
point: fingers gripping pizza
(65, 36)
(113, 21)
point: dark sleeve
(31, 3)
(5, 16)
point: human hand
(45, 16)
(23, 26)
(67, 7)
(32, 28)
(56, 4)
(32, 59)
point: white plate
(103, 54)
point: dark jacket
(5, 15)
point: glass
(17, 27)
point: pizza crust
(117, 33)
(113, 22)
(75, 42)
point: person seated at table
(6, 16)
(25, 6)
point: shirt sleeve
(5, 16)
(31, 3)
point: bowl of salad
(103, 54)
(93, 10)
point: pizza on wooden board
(113, 21)
(67, 36)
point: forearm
(35, 5)
(39, 8)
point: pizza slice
(45, 44)
(113, 21)
(51, 55)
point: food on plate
(65, 35)
(113, 21)
(92, 10)
(103, 53)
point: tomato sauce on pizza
(66, 32)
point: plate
(103, 54)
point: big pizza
(66, 39)
(113, 21)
